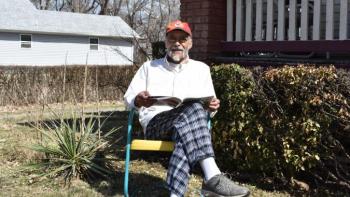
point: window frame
(94, 46)
(24, 43)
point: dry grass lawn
(148, 170)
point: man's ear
(190, 44)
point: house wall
(50, 50)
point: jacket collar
(175, 67)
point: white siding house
(46, 38)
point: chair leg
(126, 175)
(127, 153)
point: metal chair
(143, 145)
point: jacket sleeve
(209, 86)
(138, 84)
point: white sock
(173, 195)
(209, 168)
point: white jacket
(160, 78)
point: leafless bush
(43, 85)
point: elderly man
(178, 75)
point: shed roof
(22, 16)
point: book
(175, 102)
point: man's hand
(214, 104)
(142, 99)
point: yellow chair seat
(152, 145)
(142, 145)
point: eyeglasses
(180, 40)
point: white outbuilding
(32, 37)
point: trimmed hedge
(283, 122)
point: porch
(286, 31)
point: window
(26, 41)
(93, 43)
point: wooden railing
(279, 32)
(283, 20)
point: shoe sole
(206, 193)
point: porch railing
(287, 20)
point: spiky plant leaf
(70, 151)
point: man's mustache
(177, 49)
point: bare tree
(116, 6)
(147, 17)
(41, 4)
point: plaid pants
(187, 127)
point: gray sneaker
(221, 186)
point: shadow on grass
(103, 121)
(140, 184)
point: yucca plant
(72, 150)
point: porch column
(207, 20)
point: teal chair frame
(128, 149)
(127, 152)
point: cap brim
(180, 30)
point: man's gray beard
(176, 59)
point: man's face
(178, 43)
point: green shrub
(282, 121)
(234, 87)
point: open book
(175, 102)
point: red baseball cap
(178, 25)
